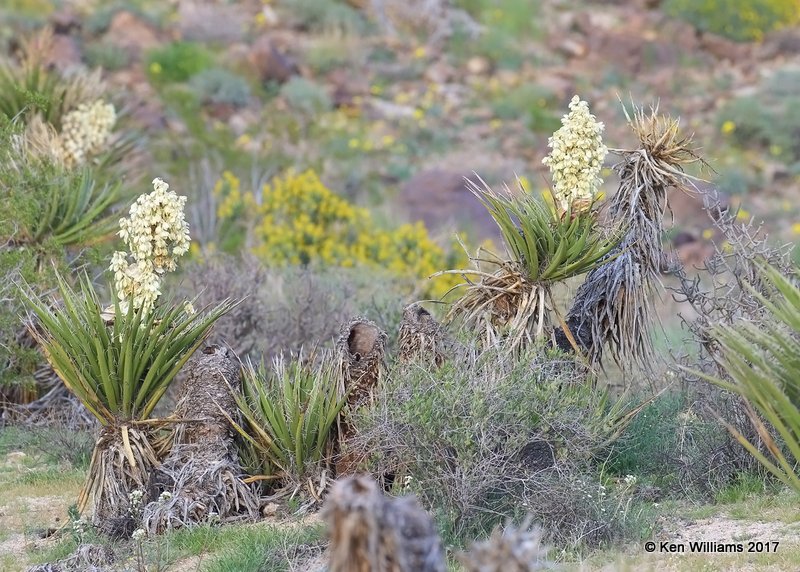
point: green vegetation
(177, 62)
(763, 362)
(741, 20)
(289, 412)
(309, 147)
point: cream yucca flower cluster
(156, 234)
(85, 130)
(576, 157)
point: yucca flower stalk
(763, 365)
(119, 361)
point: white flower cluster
(135, 503)
(85, 130)
(156, 234)
(576, 157)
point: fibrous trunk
(201, 478)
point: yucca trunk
(613, 307)
(202, 474)
(360, 348)
(122, 461)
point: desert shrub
(676, 444)
(504, 24)
(298, 221)
(484, 438)
(326, 15)
(106, 55)
(762, 363)
(737, 19)
(769, 122)
(54, 444)
(285, 309)
(221, 86)
(177, 62)
(730, 290)
(306, 96)
(528, 102)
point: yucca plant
(546, 243)
(613, 308)
(119, 361)
(31, 86)
(289, 412)
(544, 247)
(763, 362)
(74, 209)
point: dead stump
(201, 479)
(421, 337)
(373, 533)
(361, 347)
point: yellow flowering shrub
(296, 220)
(737, 19)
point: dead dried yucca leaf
(613, 304)
(372, 533)
(502, 306)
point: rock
(346, 85)
(389, 110)
(269, 63)
(16, 457)
(64, 53)
(131, 33)
(572, 47)
(206, 22)
(439, 72)
(784, 42)
(64, 21)
(270, 509)
(722, 48)
(441, 199)
(478, 65)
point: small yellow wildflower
(419, 53)
(375, 89)
(796, 228)
(743, 215)
(728, 127)
(155, 68)
(708, 233)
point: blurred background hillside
(392, 102)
